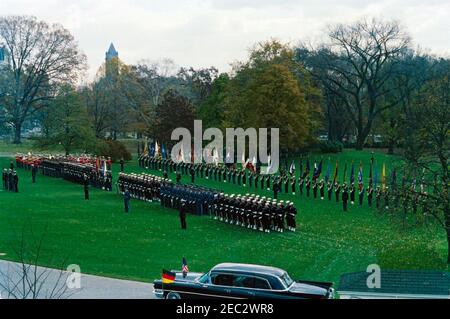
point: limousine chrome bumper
(159, 293)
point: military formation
(10, 179)
(307, 184)
(143, 187)
(198, 200)
(255, 212)
(85, 170)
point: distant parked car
(241, 281)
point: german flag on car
(168, 277)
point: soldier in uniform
(329, 190)
(378, 196)
(314, 187)
(86, 186)
(301, 183)
(386, 198)
(345, 197)
(183, 215)
(16, 182)
(337, 190)
(293, 182)
(361, 195)
(33, 173)
(286, 185)
(352, 193)
(369, 195)
(268, 183)
(322, 189)
(192, 172)
(126, 199)
(308, 186)
(275, 190)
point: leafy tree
(211, 110)
(67, 123)
(174, 111)
(272, 90)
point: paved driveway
(92, 287)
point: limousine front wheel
(173, 295)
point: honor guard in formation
(10, 180)
(198, 200)
(143, 187)
(255, 212)
(76, 169)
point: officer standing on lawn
(275, 190)
(183, 214)
(16, 182)
(122, 164)
(126, 199)
(33, 173)
(86, 186)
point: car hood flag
(184, 266)
(168, 277)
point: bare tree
(356, 65)
(42, 56)
(26, 280)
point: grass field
(99, 237)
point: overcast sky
(202, 33)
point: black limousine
(241, 281)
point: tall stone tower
(112, 61)
(111, 53)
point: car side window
(261, 284)
(222, 279)
(251, 282)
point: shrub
(114, 149)
(331, 146)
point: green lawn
(99, 237)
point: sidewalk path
(92, 287)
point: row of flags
(354, 176)
(155, 150)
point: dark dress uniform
(183, 215)
(308, 187)
(330, 190)
(344, 199)
(337, 190)
(126, 200)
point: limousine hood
(308, 289)
(191, 276)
